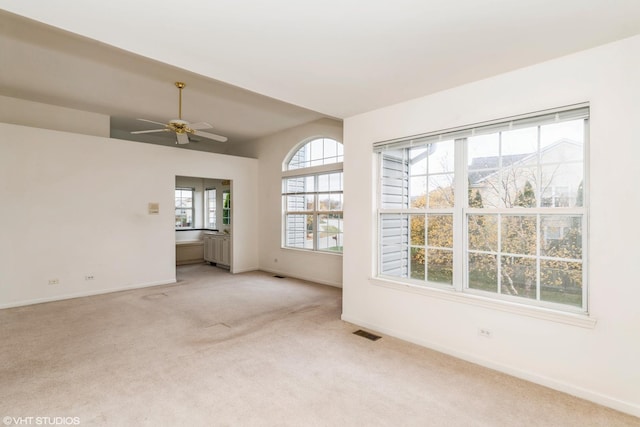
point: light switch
(154, 208)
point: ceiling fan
(182, 128)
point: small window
(184, 207)
(210, 207)
(226, 207)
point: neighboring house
(555, 174)
(549, 178)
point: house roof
(481, 168)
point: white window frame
(461, 212)
(325, 165)
(193, 216)
(226, 210)
(207, 213)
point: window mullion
(499, 256)
(538, 260)
(314, 214)
(538, 216)
(315, 230)
(585, 217)
(460, 203)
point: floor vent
(279, 277)
(367, 335)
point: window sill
(574, 319)
(311, 251)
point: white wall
(598, 362)
(271, 151)
(27, 113)
(76, 205)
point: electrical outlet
(54, 281)
(484, 332)
(88, 277)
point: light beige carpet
(249, 350)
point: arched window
(312, 196)
(316, 152)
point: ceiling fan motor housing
(180, 126)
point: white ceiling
(43, 64)
(333, 58)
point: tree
(428, 234)
(527, 197)
(519, 238)
(559, 276)
(475, 198)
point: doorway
(203, 211)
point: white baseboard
(244, 270)
(86, 293)
(593, 396)
(300, 277)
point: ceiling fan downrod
(180, 86)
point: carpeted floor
(249, 350)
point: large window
(184, 207)
(497, 209)
(312, 197)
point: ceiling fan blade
(183, 138)
(148, 131)
(151, 121)
(211, 136)
(200, 125)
